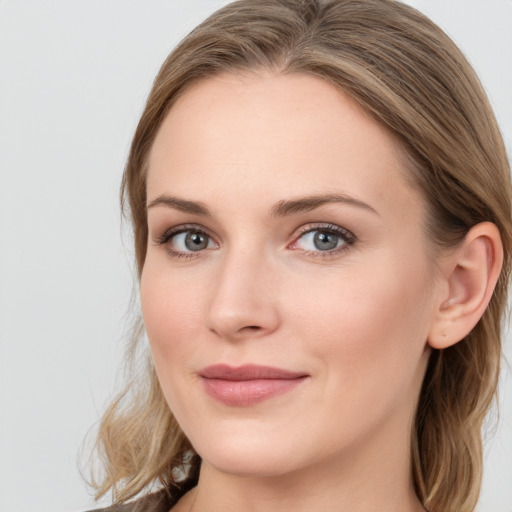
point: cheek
(369, 323)
(171, 312)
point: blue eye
(324, 239)
(191, 241)
(185, 240)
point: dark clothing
(159, 501)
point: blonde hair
(402, 69)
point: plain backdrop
(73, 79)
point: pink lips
(249, 384)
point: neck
(375, 476)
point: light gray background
(73, 79)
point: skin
(355, 319)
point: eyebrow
(308, 203)
(280, 209)
(196, 208)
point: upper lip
(247, 372)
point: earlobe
(471, 276)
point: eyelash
(348, 239)
(172, 232)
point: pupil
(195, 241)
(325, 241)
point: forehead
(275, 135)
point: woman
(321, 206)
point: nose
(244, 298)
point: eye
(184, 240)
(191, 241)
(323, 239)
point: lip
(249, 384)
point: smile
(249, 384)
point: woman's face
(287, 291)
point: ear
(470, 275)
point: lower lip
(243, 393)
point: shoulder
(160, 501)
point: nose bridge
(243, 300)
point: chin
(248, 456)
(247, 465)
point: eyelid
(324, 226)
(182, 228)
(168, 234)
(346, 236)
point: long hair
(409, 75)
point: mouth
(247, 385)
